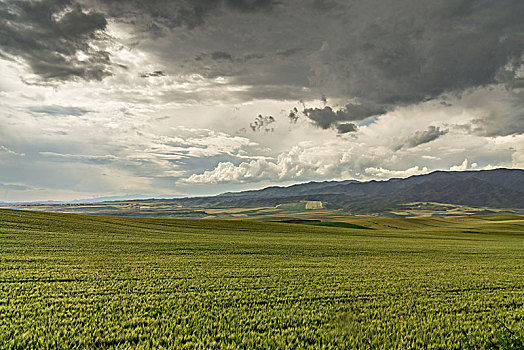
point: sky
(195, 97)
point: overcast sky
(190, 97)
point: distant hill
(438, 193)
(498, 188)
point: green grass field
(72, 281)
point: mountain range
(437, 193)
(497, 188)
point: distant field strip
(314, 205)
(72, 281)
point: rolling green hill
(74, 281)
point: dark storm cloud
(274, 92)
(157, 73)
(49, 35)
(344, 128)
(360, 111)
(293, 115)
(421, 137)
(59, 110)
(494, 124)
(254, 56)
(382, 53)
(323, 5)
(221, 55)
(54, 36)
(251, 5)
(323, 118)
(171, 14)
(327, 117)
(402, 52)
(290, 52)
(263, 123)
(499, 112)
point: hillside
(499, 188)
(477, 192)
(84, 282)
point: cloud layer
(55, 38)
(200, 96)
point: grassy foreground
(72, 281)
